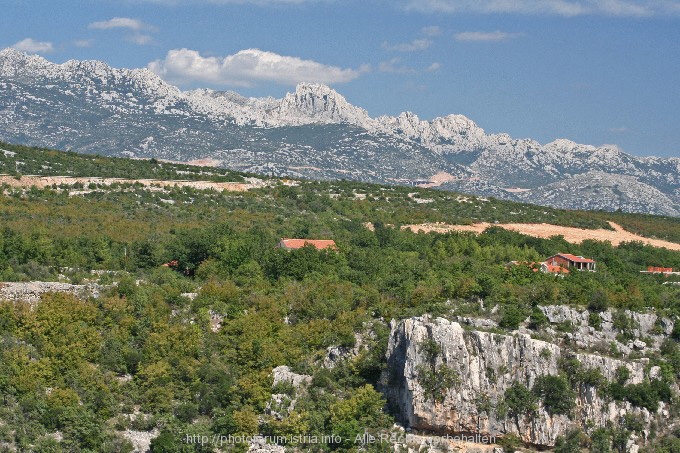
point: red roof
(659, 269)
(555, 269)
(320, 244)
(574, 258)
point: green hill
(188, 348)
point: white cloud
(434, 67)
(139, 39)
(394, 66)
(120, 22)
(431, 31)
(493, 36)
(413, 46)
(32, 46)
(133, 26)
(82, 42)
(568, 8)
(619, 130)
(246, 68)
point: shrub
(599, 302)
(555, 394)
(436, 382)
(512, 317)
(570, 443)
(510, 442)
(430, 349)
(537, 319)
(362, 410)
(600, 441)
(675, 334)
(520, 401)
(622, 374)
(624, 324)
(595, 320)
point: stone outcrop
(283, 374)
(260, 445)
(281, 404)
(653, 328)
(32, 291)
(141, 440)
(487, 364)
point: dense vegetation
(147, 355)
(19, 160)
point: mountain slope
(313, 132)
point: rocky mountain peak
(14, 62)
(318, 101)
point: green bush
(555, 393)
(520, 401)
(537, 319)
(437, 382)
(570, 443)
(511, 317)
(600, 441)
(509, 442)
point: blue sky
(593, 71)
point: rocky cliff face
(486, 365)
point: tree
(571, 443)
(555, 394)
(512, 316)
(362, 410)
(520, 401)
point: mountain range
(313, 132)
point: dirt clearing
(48, 181)
(545, 230)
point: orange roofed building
(547, 268)
(294, 244)
(569, 261)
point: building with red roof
(569, 261)
(553, 269)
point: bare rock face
(32, 291)
(260, 445)
(655, 329)
(281, 404)
(486, 365)
(283, 374)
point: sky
(592, 71)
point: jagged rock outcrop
(486, 365)
(283, 374)
(584, 336)
(33, 291)
(281, 404)
(260, 445)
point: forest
(198, 304)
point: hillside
(315, 133)
(163, 316)
(26, 167)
